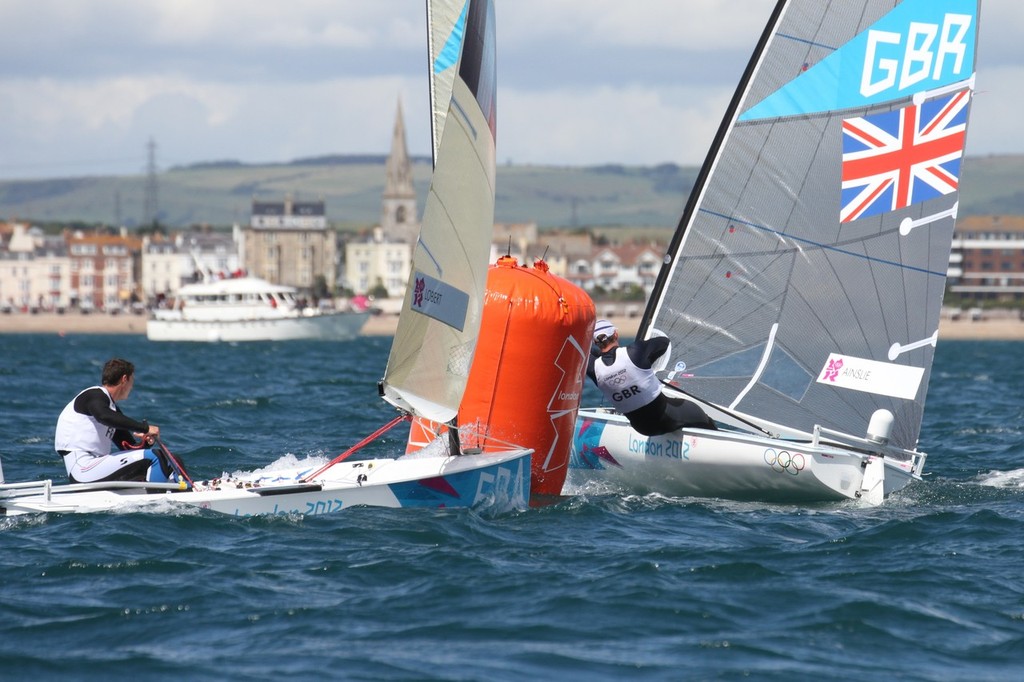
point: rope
(174, 461)
(150, 442)
(357, 446)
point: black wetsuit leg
(682, 413)
(665, 415)
(136, 471)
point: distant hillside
(220, 193)
(993, 185)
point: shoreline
(992, 329)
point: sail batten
(815, 244)
(801, 242)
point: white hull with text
(495, 481)
(731, 465)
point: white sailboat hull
(727, 464)
(803, 285)
(339, 326)
(496, 481)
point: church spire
(399, 168)
(398, 205)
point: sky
(86, 84)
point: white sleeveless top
(627, 386)
(82, 433)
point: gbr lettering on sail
(925, 51)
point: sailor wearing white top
(92, 423)
(627, 379)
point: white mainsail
(446, 29)
(440, 320)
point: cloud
(606, 125)
(84, 85)
(997, 104)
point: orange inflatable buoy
(527, 375)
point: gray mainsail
(804, 284)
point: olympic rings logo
(790, 463)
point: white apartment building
(34, 270)
(616, 268)
(378, 261)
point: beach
(997, 328)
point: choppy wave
(1004, 479)
(605, 584)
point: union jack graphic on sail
(898, 158)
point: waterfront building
(34, 270)
(986, 264)
(289, 242)
(193, 256)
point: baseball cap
(603, 329)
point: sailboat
(801, 291)
(429, 362)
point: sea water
(602, 586)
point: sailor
(92, 424)
(627, 379)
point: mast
(693, 200)
(428, 366)
(431, 86)
(803, 286)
